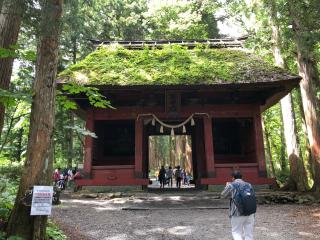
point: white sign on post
(41, 200)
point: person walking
(162, 176)
(177, 175)
(56, 176)
(169, 175)
(242, 213)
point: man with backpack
(242, 206)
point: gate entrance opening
(170, 152)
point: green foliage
(9, 177)
(54, 233)
(114, 65)
(16, 51)
(82, 131)
(123, 19)
(7, 53)
(95, 98)
(15, 238)
(62, 126)
(10, 170)
(183, 20)
(18, 102)
(9, 97)
(8, 190)
(2, 235)
(273, 125)
(28, 55)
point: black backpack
(244, 199)
(178, 173)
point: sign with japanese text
(41, 200)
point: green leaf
(28, 55)
(95, 98)
(7, 53)
(53, 232)
(8, 97)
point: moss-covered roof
(172, 65)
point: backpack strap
(237, 189)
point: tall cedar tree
(38, 165)
(298, 176)
(10, 22)
(301, 25)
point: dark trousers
(162, 182)
(178, 182)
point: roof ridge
(212, 43)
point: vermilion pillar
(138, 148)
(208, 142)
(88, 144)
(259, 145)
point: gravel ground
(197, 215)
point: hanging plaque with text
(41, 200)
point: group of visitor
(166, 176)
(65, 177)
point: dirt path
(178, 216)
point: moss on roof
(172, 65)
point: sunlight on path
(179, 217)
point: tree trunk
(74, 50)
(9, 125)
(70, 118)
(309, 102)
(10, 21)
(69, 139)
(38, 165)
(308, 71)
(152, 153)
(183, 151)
(298, 175)
(178, 151)
(268, 150)
(283, 157)
(189, 151)
(304, 128)
(157, 153)
(171, 158)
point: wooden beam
(259, 145)
(138, 170)
(88, 144)
(276, 97)
(208, 142)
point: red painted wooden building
(213, 89)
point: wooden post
(88, 145)
(138, 148)
(208, 142)
(259, 145)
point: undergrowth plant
(53, 232)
